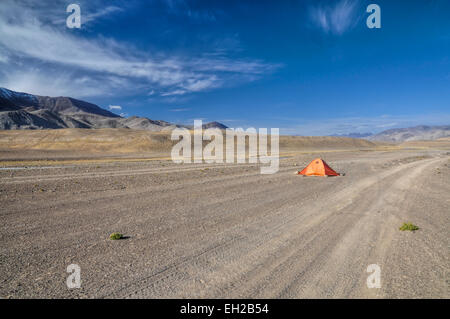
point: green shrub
(409, 226)
(116, 236)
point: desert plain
(220, 230)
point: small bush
(116, 236)
(409, 226)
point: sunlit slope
(441, 143)
(132, 141)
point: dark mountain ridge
(20, 110)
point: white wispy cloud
(183, 8)
(114, 107)
(106, 11)
(90, 17)
(335, 18)
(180, 110)
(375, 124)
(34, 51)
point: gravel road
(226, 231)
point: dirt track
(228, 231)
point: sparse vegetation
(408, 226)
(116, 236)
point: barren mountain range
(399, 135)
(416, 133)
(28, 111)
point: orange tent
(318, 167)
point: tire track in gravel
(343, 273)
(60, 177)
(266, 243)
(307, 244)
(240, 234)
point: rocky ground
(226, 230)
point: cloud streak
(359, 124)
(335, 19)
(33, 51)
(180, 110)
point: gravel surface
(221, 231)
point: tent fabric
(318, 167)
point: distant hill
(353, 135)
(416, 133)
(214, 125)
(124, 141)
(399, 135)
(20, 111)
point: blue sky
(307, 67)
